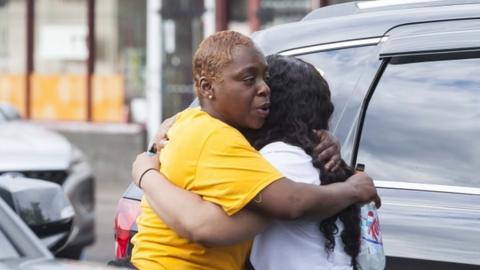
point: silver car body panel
(26, 147)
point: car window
(423, 122)
(8, 251)
(344, 69)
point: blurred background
(105, 73)
(87, 60)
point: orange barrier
(63, 97)
(12, 90)
(59, 97)
(108, 98)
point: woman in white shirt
(300, 106)
(301, 103)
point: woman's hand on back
(150, 160)
(161, 137)
(328, 150)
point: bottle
(371, 255)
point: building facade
(45, 55)
(117, 60)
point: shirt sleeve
(292, 162)
(230, 172)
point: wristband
(141, 176)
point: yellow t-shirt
(214, 160)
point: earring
(210, 96)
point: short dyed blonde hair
(214, 53)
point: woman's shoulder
(292, 161)
(196, 125)
(283, 147)
(197, 121)
(283, 153)
(202, 118)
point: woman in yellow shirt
(207, 155)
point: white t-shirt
(295, 244)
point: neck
(208, 108)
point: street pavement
(107, 197)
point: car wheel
(73, 253)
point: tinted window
(423, 124)
(344, 70)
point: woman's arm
(188, 214)
(286, 199)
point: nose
(263, 89)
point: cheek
(241, 97)
(245, 102)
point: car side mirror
(42, 205)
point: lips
(264, 110)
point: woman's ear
(206, 88)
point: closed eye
(249, 80)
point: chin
(256, 125)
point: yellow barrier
(59, 97)
(108, 98)
(63, 97)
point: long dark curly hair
(300, 103)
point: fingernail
(163, 142)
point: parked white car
(29, 150)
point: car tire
(73, 253)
